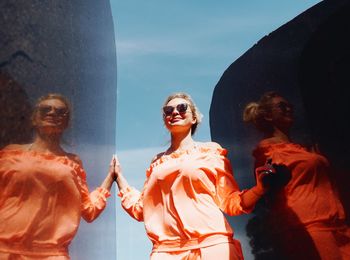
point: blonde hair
(256, 112)
(195, 111)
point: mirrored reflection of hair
(15, 111)
(256, 112)
(303, 219)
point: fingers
(115, 168)
(116, 160)
(112, 164)
(263, 174)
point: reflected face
(178, 116)
(282, 113)
(52, 116)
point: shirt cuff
(104, 192)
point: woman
(187, 189)
(43, 189)
(305, 219)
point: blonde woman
(188, 189)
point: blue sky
(168, 46)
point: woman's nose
(175, 112)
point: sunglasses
(58, 111)
(181, 108)
(285, 107)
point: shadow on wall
(15, 124)
(307, 61)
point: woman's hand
(117, 173)
(262, 175)
(251, 196)
(111, 170)
(116, 167)
(110, 178)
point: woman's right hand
(115, 167)
(118, 176)
(262, 174)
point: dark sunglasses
(285, 107)
(60, 111)
(181, 108)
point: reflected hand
(112, 164)
(116, 167)
(262, 174)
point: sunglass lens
(167, 110)
(181, 108)
(61, 111)
(285, 106)
(44, 109)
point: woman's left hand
(111, 169)
(262, 174)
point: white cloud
(129, 48)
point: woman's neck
(281, 135)
(181, 141)
(48, 143)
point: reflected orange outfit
(310, 197)
(42, 198)
(182, 204)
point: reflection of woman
(43, 190)
(306, 218)
(186, 189)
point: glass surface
(66, 48)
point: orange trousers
(11, 256)
(224, 251)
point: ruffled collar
(200, 148)
(41, 155)
(178, 153)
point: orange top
(183, 199)
(42, 198)
(309, 194)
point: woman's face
(178, 116)
(281, 113)
(51, 117)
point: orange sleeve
(92, 203)
(228, 195)
(131, 200)
(227, 190)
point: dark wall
(307, 61)
(66, 47)
(281, 61)
(324, 82)
(15, 112)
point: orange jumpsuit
(42, 198)
(307, 202)
(182, 204)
